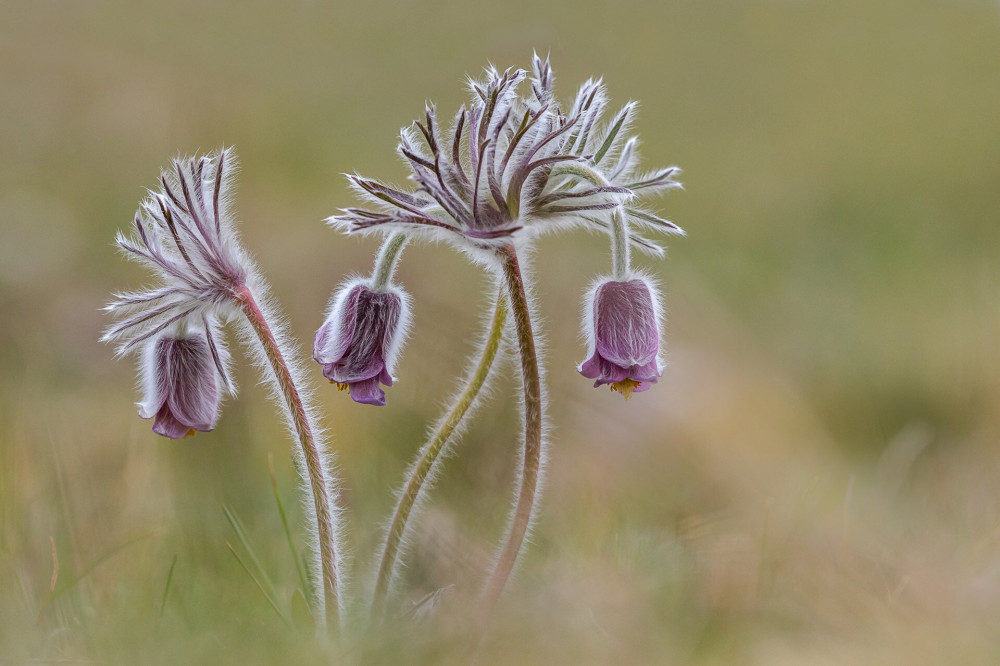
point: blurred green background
(816, 479)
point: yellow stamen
(189, 433)
(341, 386)
(625, 387)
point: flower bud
(358, 343)
(624, 335)
(182, 393)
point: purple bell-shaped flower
(624, 333)
(182, 385)
(358, 343)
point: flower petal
(335, 335)
(376, 322)
(603, 371)
(167, 426)
(625, 323)
(193, 396)
(647, 373)
(368, 392)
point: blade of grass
(288, 531)
(310, 583)
(254, 560)
(302, 617)
(166, 587)
(55, 566)
(270, 599)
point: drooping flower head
(181, 382)
(361, 338)
(185, 234)
(622, 320)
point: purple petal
(334, 336)
(627, 332)
(649, 372)
(643, 386)
(602, 370)
(591, 368)
(329, 371)
(376, 325)
(368, 392)
(167, 426)
(190, 376)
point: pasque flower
(361, 338)
(185, 232)
(181, 384)
(622, 321)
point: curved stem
(431, 454)
(530, 472)
(328, 605)
(385, 262)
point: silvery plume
(504, 169)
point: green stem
(430, 454)
(328, 605)
(620, 249)
(530, 472)
(385, 262)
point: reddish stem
(523, 510)
(310, 452)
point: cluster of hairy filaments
(514, 159)
(183, 233)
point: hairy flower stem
(430, 454)
(328, 606)
(385, 262)
(530, 472)
(620, 249)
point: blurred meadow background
(816, 478)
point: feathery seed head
(185, 234)
(512, 164)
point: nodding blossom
(361, 338)
(184, 233)
(181, 384)
(622, 321)
(511, 161)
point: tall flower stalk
(529, 477)
(423, 470)
(318, 474)
(185, 233)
